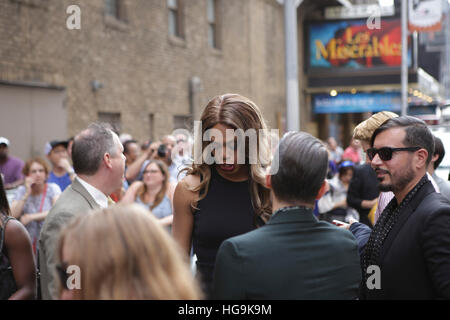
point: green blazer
(73, 201)
(294, 256)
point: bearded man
(410, 244)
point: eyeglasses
(61, 270)
(385, 153)
(150, 171)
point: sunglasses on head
(385, 153)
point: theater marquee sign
(351, 44)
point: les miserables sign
(351, 44)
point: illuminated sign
(359, 102)
(351, 44)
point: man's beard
(403, 179)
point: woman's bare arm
(183, 218)
(20, 253)
(130, 194)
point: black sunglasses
(61, 270)
(385, 153)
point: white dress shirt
(98, 196)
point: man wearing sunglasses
(410, 242)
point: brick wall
(143, 70)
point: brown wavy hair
(124, 254)
(42, 162)
(237, 112)
(160, 196)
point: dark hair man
(99, 163)
(11, 167)
(409, 245)
(294, 256)
(438, 155)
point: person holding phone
(35, 198)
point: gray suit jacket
(73, 201)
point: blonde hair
(123, 253)
(238, 112)
(365, 129)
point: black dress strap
(2, 231)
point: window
(213, 27)
(182, 122)
(113, 118)
(112, 8)
(115, 9)
(175, 18)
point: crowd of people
(109, 218)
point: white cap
(3, 140)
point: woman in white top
(35, 198)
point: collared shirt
(98, 196)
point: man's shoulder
(444, 187)
(261, 237)
(433, 206)
(434, 201)
(250, 240)
(69, 202)
(17, 162)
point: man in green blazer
(99, 163)
(294, 256)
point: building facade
(147, 66)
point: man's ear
(107, 160)
(422, 155)
(323, 189)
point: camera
(162, 150)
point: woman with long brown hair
(17, 268)
(226, 198)
(155, 191)
(122, 253)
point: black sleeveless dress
(225, 212)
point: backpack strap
(3, 231)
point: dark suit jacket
(73, 201)
(363, 186)
(294, 256)
(415, 257)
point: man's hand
(65, 164)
